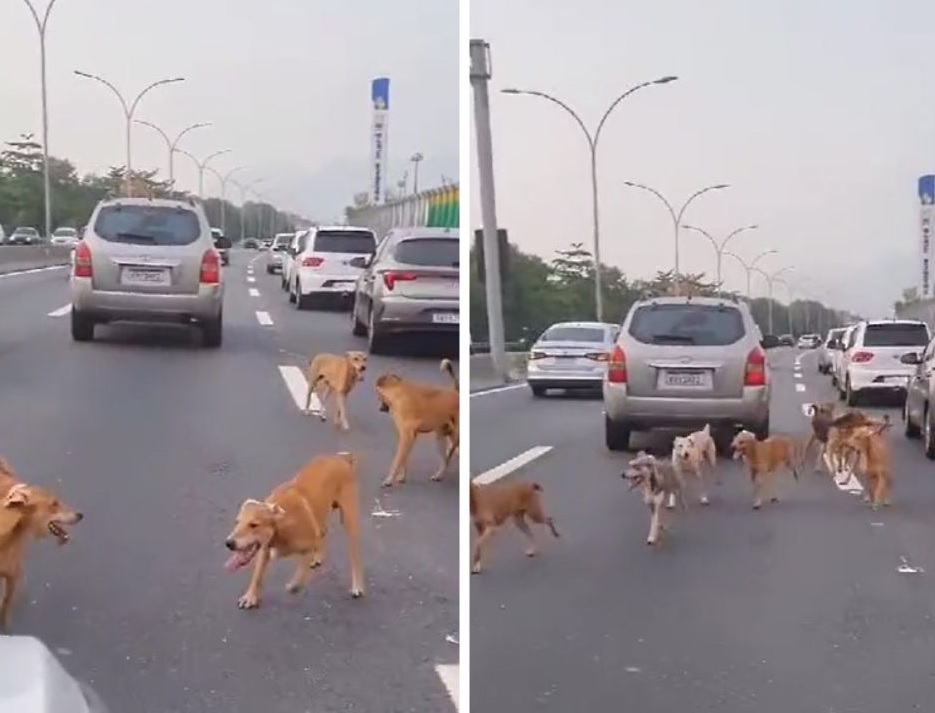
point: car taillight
(83, 260)
(312, 261)
(391, 278)
(533, 356)
(755, 371)
(617, 366)
(861, 357)
(210, 268)
(598, 356)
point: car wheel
(537, 391)
(616, 435)
(269, 270)
(82, 327)
(928, 434)
(358, 328)
(291, 294)
(909, 428)
(376, 342)
(850, 396)
(212, 332)
(301, 301)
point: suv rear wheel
(616, 435)
(82, 326)
(376, 342)
(212, 332)
(301, 301)
(358, 328)
(910, 429)
(850, 396)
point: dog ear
(277, 510)
(17, 496)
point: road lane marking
(906, 568)
(798, 375)
(297, 385)
(497, 390)
(251, 278)
(449, 676)
(254, 292)
(32, 271)
(514, 464)
(800, 388)
(264, 318)
(61, 311)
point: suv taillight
(391, 278)
(617, 366)
(755, 370)
(210, 268)
(861, 357)
(312, 261)
(83, 260)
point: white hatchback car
(871, 360)
(323, 264)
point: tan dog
(763, 459)
(416, 409)
(690, 453)
(842, 456)
(659, 483)
(332, 374)
(27, 512)
(293, 522)
(872, 462)
(491, 506)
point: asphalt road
(814, 604)
(158, 441)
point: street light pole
(749, 266)
(592, 140)
(41, 25)
(244, 187)
(172, 144)
(677, 216)
(224, 179)
(128, 110)
(416, 158)
(770, 279)
(202, 165)
(719, 247)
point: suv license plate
(446, 318)
(144, 276)
(686, 379)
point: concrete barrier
(483, 375)
(14, 258)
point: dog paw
(650, 541)
(357, 593)
(294, 587)
(475, 569)
(248, 601)
(757, 505)
(531, 552)
(388, 483)
(437, 477)
(704, 500)
(774, 500)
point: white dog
(689, 454)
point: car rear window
(896, 335)
(687, 325)
(434, 252)
(354, 242)
(147, 225)
(573, 334)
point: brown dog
(842, 456)
(872, 462)
(491, 506)
(763, 459)
(293, 522)
(416, 409)
(26, 512)
(332, 374)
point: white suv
(324, 265)
(870, 362)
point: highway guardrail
(483, 375)
(14, 258)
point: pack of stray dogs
(847, 445)
(292, 520)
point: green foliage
(74, 196)
(537, 294)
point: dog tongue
(235, 561)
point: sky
(820, 116)
(285, 83)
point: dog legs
(477, 556)
(537, 514)
(300, 579)
(340, 417)
(520, 522)
(655, 524)
(446, 447)
(10, 582)
(397, 472)
(251, 597)
(350, 516)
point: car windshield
(687, 324)
(65, 232)
(896, 334)
(25, 231)
(434, 252)
(147, 225)
(354, 242)
(569, 333)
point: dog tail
(6, 468)
(448, 368)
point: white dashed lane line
(61, 311)
(450, 677)
(297, 385)
(250, 278)
(512, 465)
(264, 318)
(254, 292)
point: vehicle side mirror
(770, 341)
(911, 358)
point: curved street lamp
(224, 179)
(202, 165)
(244, 188)
(770, 280)
(719, 247)
(749, 266)
(172, 144)
(592, 139)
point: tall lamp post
(41, 24)
(720, 247)
(172, 144)
(224, 180)
(750, 266)
(416, 159)
(677, 215)
(243, 188)
(202, 165)
(128, 110)
(592, 139)
(770, 280)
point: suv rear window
(687, 325)
(905, 334)
(567, 333)
(147, 225)
(354, 242)
(434, 252)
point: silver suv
(143, 260)
(682, 362)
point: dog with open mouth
(27, 512)
(764, 458)
(659, 482)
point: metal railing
(434, 208)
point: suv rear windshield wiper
(673, 338)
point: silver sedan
(570, 356)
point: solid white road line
(254, 292)
(514, 464)
(250, 278)
(497, 390)
(449, 676)
(32, 271)
(61, 311)
(298, 387)
(264, 318)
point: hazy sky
(821, 116)
(286, 83)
